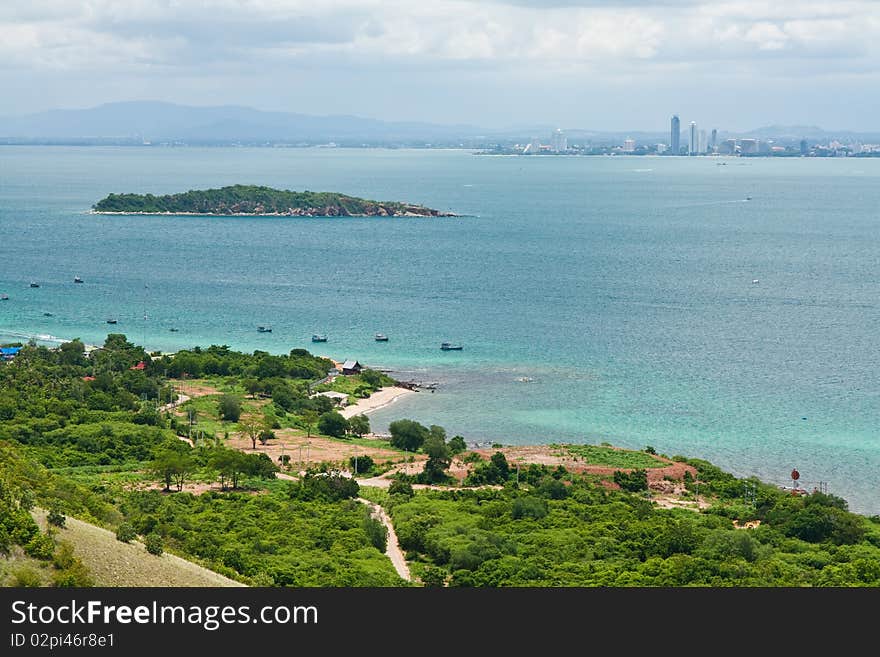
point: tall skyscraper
(675, 135)
(693, 144)
(558, 141)
(714, 142)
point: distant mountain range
(138, 122)
(157, 122)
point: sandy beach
(379, 399)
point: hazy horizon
(580, 64)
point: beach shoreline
(379, 399)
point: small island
(237, 200)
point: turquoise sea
(638, 301)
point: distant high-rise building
(675, 135)
(533, 147)
(629, 145)
(804, 148)
(701, 142)
(713, 143)
(749, 146)
(661, 148)
(693, 142)
(558, 141)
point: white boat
(264, 329)
(77, 279)
(381, 337)
(319, 338)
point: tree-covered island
(259, 200)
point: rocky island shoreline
(251, 200)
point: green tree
(457, 445)
(229, 408)
(251, 428)
(634, 481)
(266, 435)
(308, 421)
(439, 457)
(333, 424)
(253, 386)
(500, 461)
(359, 425)
(408, 435)
(433, 576)
(360, 464)
(399, 487)
(172, 466)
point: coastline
(271, 214)
(379, 399)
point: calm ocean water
(631, 300)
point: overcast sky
(613, 65)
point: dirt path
(392, 549)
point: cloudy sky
(617, 64)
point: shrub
(360, 464)
(25, 577)
(634, 481)
(125, 533)
(153, 543)
(230, 408)
(75, 575)
(529, 507)
(41, 546)
(399, 487)
(333, 424)
(457, 446)
(56, 517)
(376, 532)
(433, 576)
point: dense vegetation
(285, 537)
(86, 436)
(82, 435)
(581, 534)
(252, 199)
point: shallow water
(645, 298)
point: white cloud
(515, 42)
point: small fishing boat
(34, 284)
(111, 321)
(448, 346)
(381, 337)
(264, 329)
(4, 297)
(47, 314)
(319, 338)
(77, 279)
(173, 330)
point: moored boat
(318, 337)
(381, 337)
(448, 346)
(264, 329)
